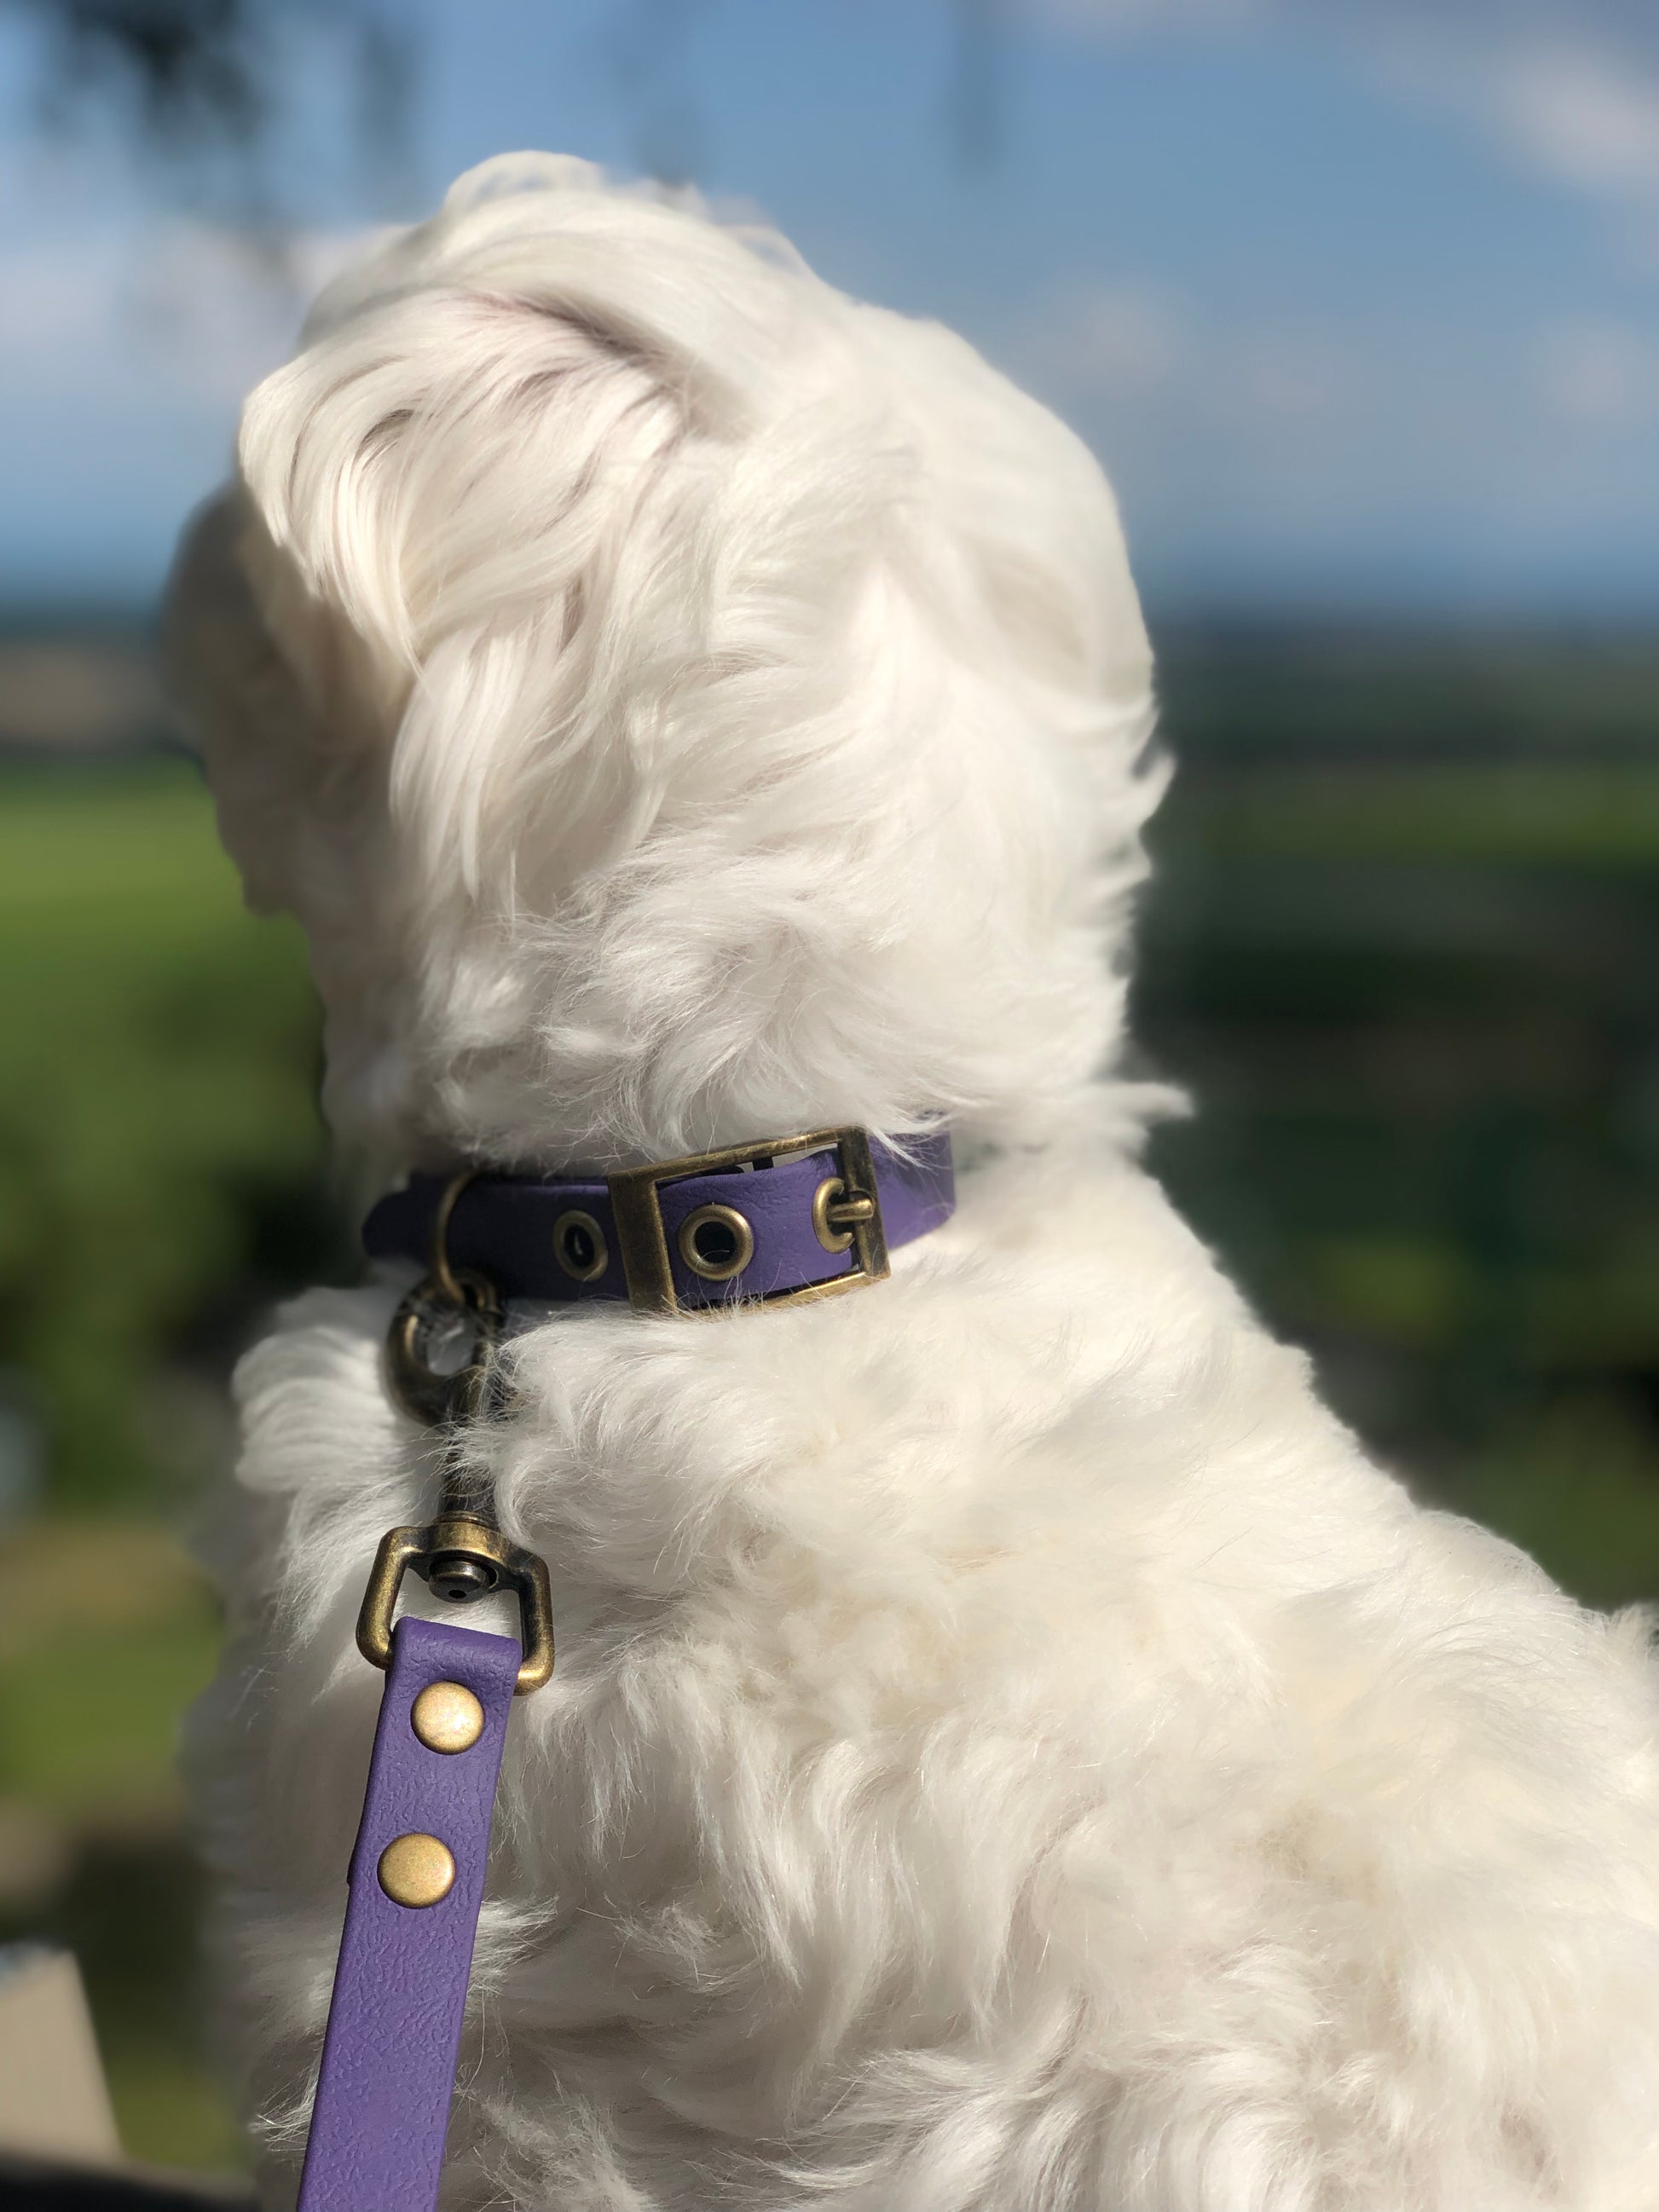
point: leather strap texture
(394, 2026)
(504, 1226)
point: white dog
(1010, 1749)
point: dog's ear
(541, 467)
(460, 486)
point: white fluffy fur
(1011, 1752)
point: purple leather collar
(752, 1222)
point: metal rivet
(578, 1246)
(447, 1717)
(729, 1244)
(417, 1869)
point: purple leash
(772, 1223)
(417, 1878)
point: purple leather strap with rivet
(394, 2026)
(506, 1224)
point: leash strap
(394, 2026)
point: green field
(159, 1165)
(155, 1117)
(1401, 945)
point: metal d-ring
(447, 1281)
(448, 1295)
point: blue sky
(1359, 303)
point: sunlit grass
(156, 1093)
(112, 1633)
(159, 1068)
(1561, 813)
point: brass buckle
(429, 1551)
(643, 1240)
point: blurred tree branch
(649, 47)
(189, 78)
(975, 102)
(197, 83)
(191, 68)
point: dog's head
(680, 704)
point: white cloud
(1571, 86)
(1598, 373)
(217, 311)
(1295, 375)
(1497, 448)
(1101, 340)
(1134, 351)
(46, 306)
(126, 348)
(188, 311)
(1583, 116)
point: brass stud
(578, 1246)
(725, 1251)
(417, 1871)
(447, 1717)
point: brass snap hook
(432, 1552)
(462, 1555)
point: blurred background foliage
(1400, 944)
(160, 1182)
